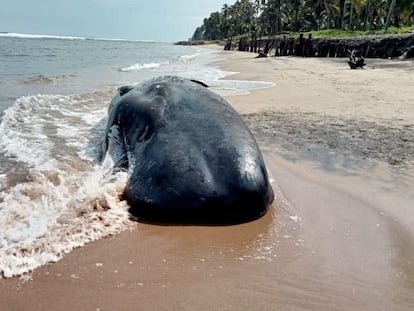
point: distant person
(283, 46)
(308, 49)
(291, 44)
(299, 46)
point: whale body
(190, 157)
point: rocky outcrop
(189, 43)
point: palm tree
(406, 12)
(390, 13)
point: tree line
(272, 17)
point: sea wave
(123, 40)
(35, 36)
(135, 67)
(17, 55)
(41, 79)
(186, 58)
(44, 36)
(65, 198)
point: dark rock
(391, 46)
(189, 43)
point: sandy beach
(339, 145)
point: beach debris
(356, 59)
(295, 218)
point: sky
(159, 20)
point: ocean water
(54, 95)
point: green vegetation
(260, 18)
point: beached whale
(189, 155)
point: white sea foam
(46, 36)
(65, 200)
(35, 36)
(22, 136)
(142, 66)
(42, 220)
(186, 58)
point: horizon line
(68, 37)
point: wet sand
(339, 236)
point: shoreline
(338, 237)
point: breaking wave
(135, 67)
(64, 198)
